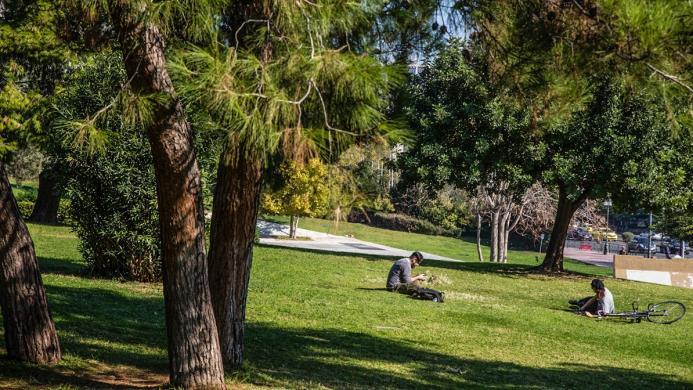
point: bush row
(400, 222)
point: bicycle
(666, 312)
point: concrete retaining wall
(669, 272)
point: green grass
(323, 321)
(461, 249)
(24, 191)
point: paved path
(596, 258)
(329, 243)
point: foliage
(17, 110)
(447, 207)
(304, 192)
(614, 147)
(462, 122)
(26, 164)
(284, 87)
(403, 222)
(628, 237)
(112, 193)
(25, 208)
(546, 51)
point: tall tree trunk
(553, 261)
(48, 200)
(478, 237)
(29, 330)
(234, 219)
(506, 239)
(502, 238)
(193, 343)
(494, 236)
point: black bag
(428, 294)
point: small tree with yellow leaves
(303, 194)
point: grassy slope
(454, 248)
(318, 320)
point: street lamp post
(607, 204)
(649, 238)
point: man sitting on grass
(399, 279)
(601, 303)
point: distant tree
(469, 135)
(604, 150)
(304, 192)
(628, 237)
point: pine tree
(277, 81)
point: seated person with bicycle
(399, 278)
(599, 304)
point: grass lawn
(323, 321)
(461, 249)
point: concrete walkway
(590, 257)
(277, 235)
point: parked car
(675, 247)
(639, 245)
(655, 236)
(579, 234)
(603, 234)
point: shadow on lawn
(118, 334)
(340, 359)
(107, 331)
(50, 265)
(511, 270)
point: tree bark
(506, 238)
(234, 219)
(478, 237)
(293, 226)
(494, 236)
(48, 200)
(553, 261)
(30, 334)
(502, 237)
(193, 344)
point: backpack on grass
(428, 294)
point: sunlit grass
(455, 248)
(323, 321)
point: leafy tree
(546, 51)
(112, 193)
(469, 135)
(31, 41)
(28, 327)
(613, 148)
(303, 194)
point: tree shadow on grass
(119, 335)
(282, 357)
(107, 330)
(49, 265)
(510, 270)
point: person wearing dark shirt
(399, 278)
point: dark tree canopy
(467, 133)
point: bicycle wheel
(666, 312)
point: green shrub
(628, 237)
(402, 222)
(64, 212)
(112, 193)
(25, 208)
